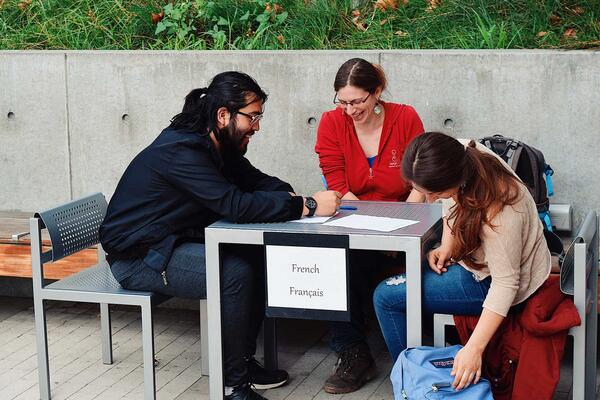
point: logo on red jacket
(394, 162)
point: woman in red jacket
(360, 146)
(361, 143)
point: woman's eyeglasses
(353, 103)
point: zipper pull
(164, 277)
(370, 172)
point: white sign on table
(306, 277)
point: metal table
(411, 240)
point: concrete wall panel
(550, 100)
(33, 131)
(119, 101)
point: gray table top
(428, 216)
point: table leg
(270, 343)
(413, 294)
(213, 297)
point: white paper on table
(311, 220)
(382, 224)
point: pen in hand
(341, 207)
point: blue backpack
(424, 373)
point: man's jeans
(242, 294)
(454, 292)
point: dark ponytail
(232, 90)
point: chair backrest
(587, 235)
(74, 226)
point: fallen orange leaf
(555, 19)
(277, 8)
(23, 4)
(541, 34)
(433, 4)
(578, 10)
(156, 18)
(570, 33)
(355, 13)
(359, 24)
(383, 5)
(281, 39)
(401, 33)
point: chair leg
(591, 349)
(440, 321)
(148, 350)
(579, 363)
(204, 337)
(106, 332)
(42, 348)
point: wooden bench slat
(15, 260)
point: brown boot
(353, 369)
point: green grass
(298, 24)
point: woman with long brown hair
(493, 253)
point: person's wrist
(474, 346)
(311, 205)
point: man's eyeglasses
(253, 118)
(353, 103)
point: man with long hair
(193, 174)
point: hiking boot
(261, 378)
(353, 369)
(244, 392)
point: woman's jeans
(454, 292)
(242, 294)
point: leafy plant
(249, 25)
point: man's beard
(231, 140)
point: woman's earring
(377, 109)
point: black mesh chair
(73, 227)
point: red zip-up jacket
(522, 360)
(344, 163)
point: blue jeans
(454, 292)
(242, 294)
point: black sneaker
(354, 368)
(262, 379)
(244, 392)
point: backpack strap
(513, 153)
(537, 162)
(548, 171)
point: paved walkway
(77, 371)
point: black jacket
(179, 185)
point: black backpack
(529, 165)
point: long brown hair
(437, 163)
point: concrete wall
(71, 121)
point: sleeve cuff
(499, 300)
(296, 207)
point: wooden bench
(15, 252)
